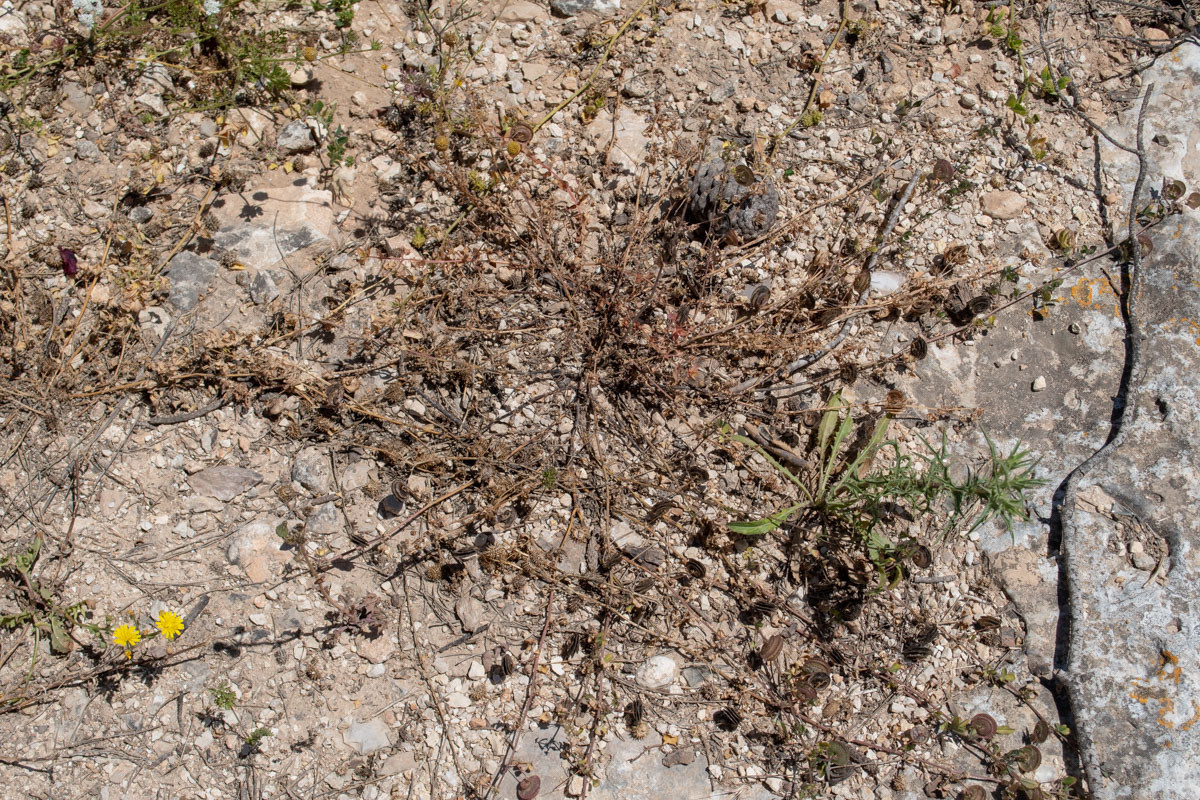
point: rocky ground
(429, 366)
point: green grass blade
(765, 525)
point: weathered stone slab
(1054, 384)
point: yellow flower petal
(127, 636)
(169, 624)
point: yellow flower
(169, 624)
(127, 636)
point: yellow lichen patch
(1168, 671)
(1184, 323)
(1169, 659)
(1096, 293)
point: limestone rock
(224, 483)
(1003, 204)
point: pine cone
(732, 200)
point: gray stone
(263, 288)
(367, 737)
(153, 102)
(189, 275)
(224, 483)
(140, 214)
(1137, 673)
(470, 613)
(290, 619)
(260, 246)
(264, 226)
(325, 520)
(569, 8)
(87, 150)
(310, 468)
(295, 137)
(1125, 643)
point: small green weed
(254, 739)
(223, 696)
(40, 607)
(853, 486)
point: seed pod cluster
(894, 402)
(732, 199)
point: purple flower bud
(70, 265)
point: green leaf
(866, 453)
(60, 640)
(828, 422)
(765, 525)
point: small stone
(627, 150)
(311, 469)
(256, 548)
(326, 519)
(224, 483)
(189, 275)
(471, 613)
(635, 87)
(155, 320)
(968, 100)
(476, 672)
(152, 101)
(1122, 26)
(1039, 384)
(523, 11)
(1156, 36)
(86, 150)
(458, 700)
(657, 672)
(367, 737)
(575, 786)
(300, 76)
(1003, 204)
(94, 210)
(295, 137)
(377, 649)
(263, 288)
(140, 214)
(1143, 561)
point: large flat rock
(1135, 687)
